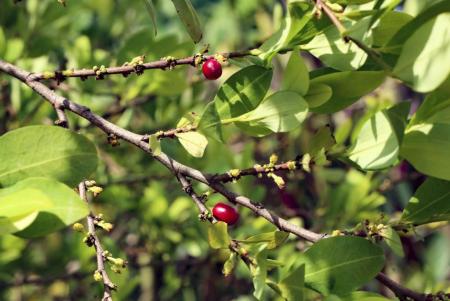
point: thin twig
(108, 286)
(128, 69)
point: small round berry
(225, 213)
(212, 69)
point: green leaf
(14, 49)
(334, 52)
(230, 264)
(48, 151)
(360, 296)
(155, 145)
(434, 109)
(339, 265)
(426, 147)
(296, 76)
(392, 239)
(420, 62)
(18, 209)
(388, 26)
(377, 146)
(430, 203)
(152, 13)
(297, 17)
(218, 236)
(193, 142)
(292, 286)
(64, 209)
(190, 19)
(2, 42)
(318, 94)
(282, 111)
(348, 87)
(209, 123)
(272, 239)
(323, 139)
(259, 273)
(243, 91)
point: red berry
(225, 213)
(212, 69)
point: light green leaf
(426, 147)
(66, 206)
(282, 111)
(334, 52)
(392, 239)
(348, 87)
(259, 273)
(218, 236)
(430, 203)
(194, 142)
(152, 13)
(243, 91)
(297, 17)
(318, 94)
(360, 296)
(48, 151)
(155, 145)
(388, 25)
(272, 239)
(339, 265)
(296, 76)
(209, 123)
(230, 264)
(377, 145)
(292, 286)
(16, 223)
(190, 19)
(14, 49)
(420, 62)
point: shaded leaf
(392, 239)
(296, 76)
(152, 13)
(218, 236)
(272, 239)
(318, 94)
(190, 19)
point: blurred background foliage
(156, 225)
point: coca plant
(328, 127)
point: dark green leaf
(190, 19)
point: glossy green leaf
(218, 236)
(152, 13)
(339, 265)
(210, 124)
(282, 111)
(193, 142)
(426, 147)
(377, 146)
(430, 203)
(334, 52)
(348, 87)
(190, 19)
(272, 239)
(243, 91)
(318, 94)
(420, 62)
(392, 239)
(64, 209)
(48, 151)
(296, 76)
(297, 17)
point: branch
(403, 293)
(107, 283)
(128, 69)
(171, 164)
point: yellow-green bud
(336, 233)
(291, 165)
(98, 276)
(234, 173)
(96, 190)
(48, 74)
(78, 227)
(273, 159)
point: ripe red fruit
(212, 69)
(225, 213)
